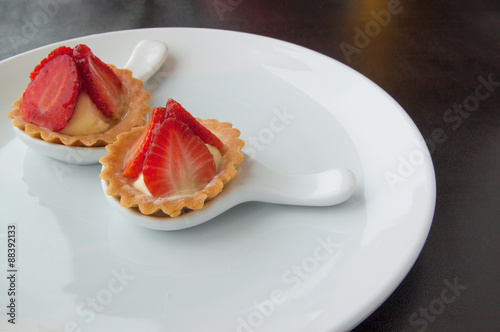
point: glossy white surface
(255, 183)
(67, 154)
(256, 267)
(147, 57)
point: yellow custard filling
(87, 118)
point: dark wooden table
(439, 59)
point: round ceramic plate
(257, 267)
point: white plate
(257, 267)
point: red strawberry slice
(178, 161)
(58, 51)
(49, 100)
(100, 82)
(176, 111)
(135, 159)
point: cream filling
(140, 185)
(87, 118)
(217, 156)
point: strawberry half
(54, 53)
(100, 81)
(135, 158)
(176, 111)
(49, 100)
(178, 161)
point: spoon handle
(147, 57)
(260, 183)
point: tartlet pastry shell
(135, 117)
(122, 188)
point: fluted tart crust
(123, 189)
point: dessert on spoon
(178, 172)
(172, 165)
(75, 104)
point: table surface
(430, 56)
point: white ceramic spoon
(146, 58)
(255, 182)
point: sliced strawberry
(100, 82)
(176, 111)
(49, 100)
(178, 161)
(135, 158)
(58, 51)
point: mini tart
(135, 116)
(123, 189)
